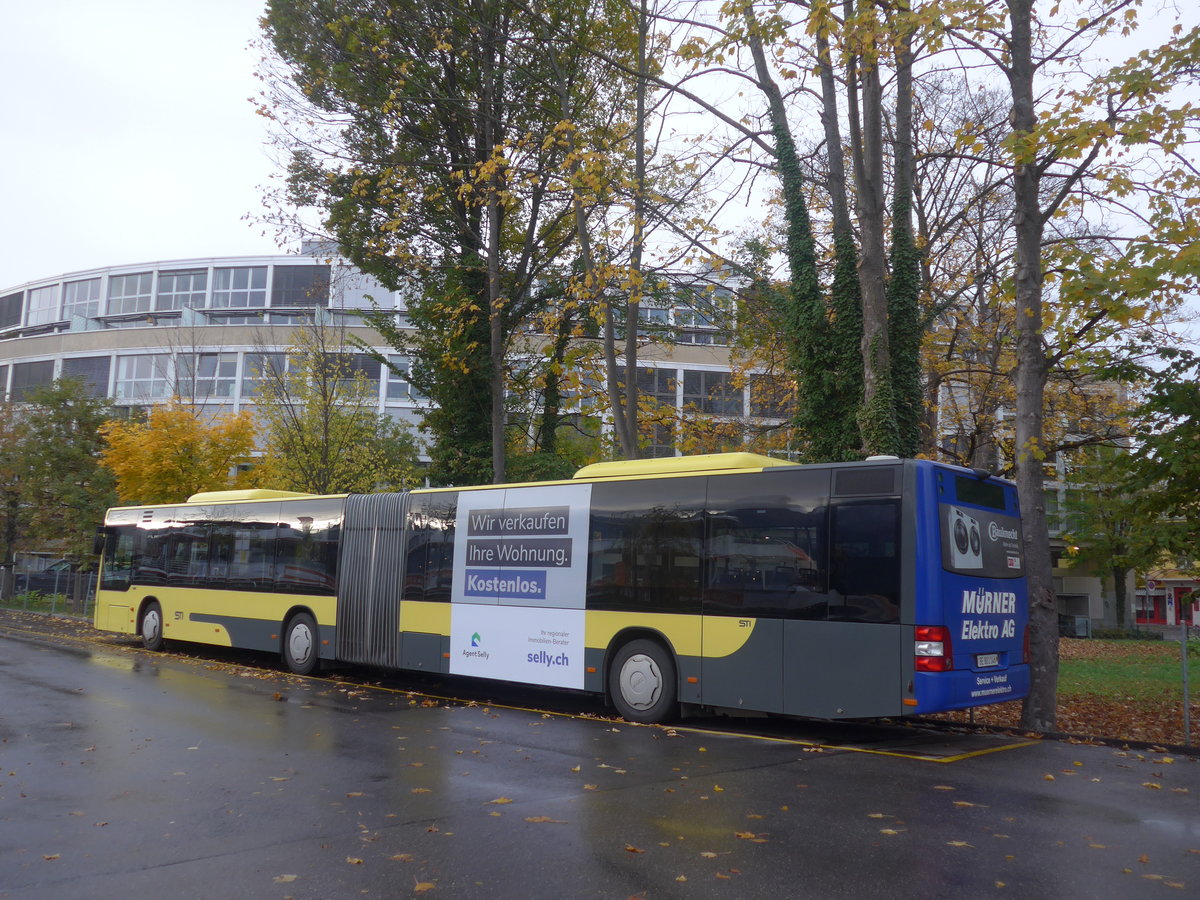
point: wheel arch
(633, 633)
(294, 610)
(141, 613)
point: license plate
(983, 660)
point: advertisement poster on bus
(985, 606)
(520, 580)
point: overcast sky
(128, 134)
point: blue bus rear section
(977, 599)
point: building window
(659, 384)
(177, 290)
(130, 293)
(91, 370)
(10, 310)
(349, 370)
(399, 386)
(300, 286)
(770, 396)
(260, 369)
(206, 375)
(43, 306)
(243, 287)
(712, 393)
(28, 376)
(697, 327)
(81, 298)
(143, 378)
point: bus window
(306, 546)
(118, 559)
(865, 561)
(430, 549)
(767, 545)
(645, 546)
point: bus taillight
(933, 651)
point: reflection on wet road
(129, 774)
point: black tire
(642, 682)
(152, 627)
(301, 644)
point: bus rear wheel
(152, 627)
(642, 682)
(300, 644)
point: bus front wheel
(300, 644)
(152, 627)
(641, 681)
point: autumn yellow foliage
(175, 452)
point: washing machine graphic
(966, 547)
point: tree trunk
(804, 320)
(1120, 576)
(835, 409)
(878, 418)
(904, 286)
(636, 275)
(1039, 711)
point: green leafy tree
(323, 433)
(429, 139)
(54, 488)
(13, 465)
(1113, 529)
(177, 451)
(1164, 474)
(67, 486)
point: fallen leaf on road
(284, 879)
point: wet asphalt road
(129, 774)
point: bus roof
(239, 496)
(702, 462)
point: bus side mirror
(100, 540)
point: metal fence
(71, 594)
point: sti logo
(475, 639)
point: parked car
(56, 578)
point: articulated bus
(726, 581)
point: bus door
(844, 659)
(767, 566)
